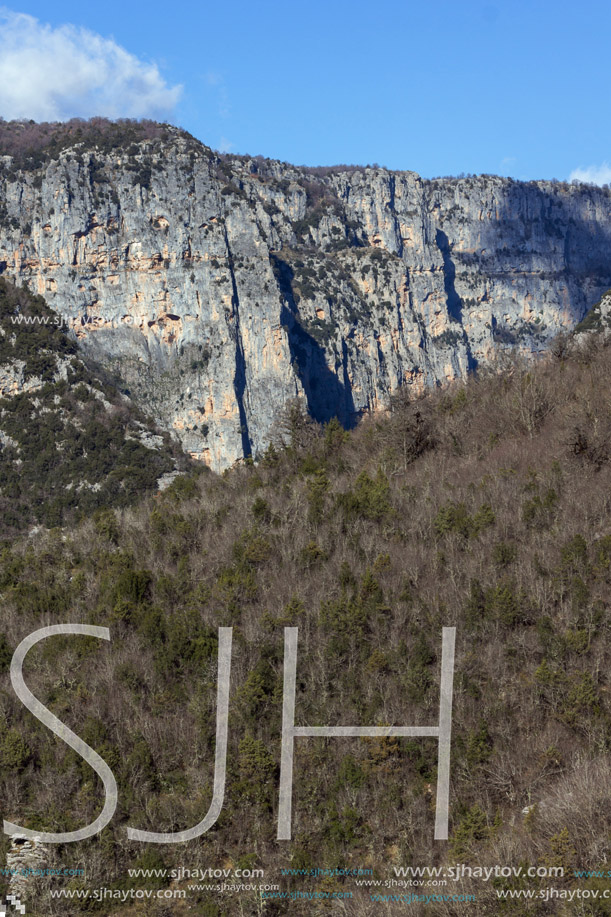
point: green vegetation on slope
(71, 443)
(485, 506)
(595, 320)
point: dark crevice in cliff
(239, 378)
(354, 415)
(326, 395)
(453, 300)
(393, 210)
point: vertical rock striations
(221, 287)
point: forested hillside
(483, 506)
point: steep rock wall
(221, 287)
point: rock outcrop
(25, 862)
(219, 288)
(598, 319)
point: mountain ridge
(220, 287)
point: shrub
(14, 750)
(503, 602)
(6, 654)
(479, 746)
(350, 773)
(261, 510)
(370, 498)
(472, 829)
(504, 554)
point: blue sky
(518, 88)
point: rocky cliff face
(221, 287)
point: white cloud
(52, 74)
(594, 175)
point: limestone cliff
(219, 287)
